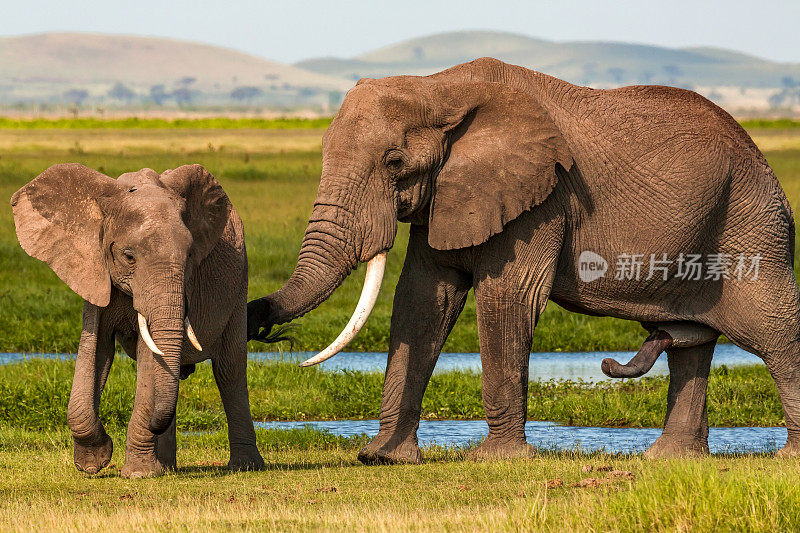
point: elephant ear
(207, 205)
(59, 221)
(504, 148)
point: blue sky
(292, 30)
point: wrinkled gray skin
(167, 247)
(506, 175)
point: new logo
(591, 266)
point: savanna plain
(270, 169)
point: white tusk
(148, 340)
(191, 335)
(372, 284)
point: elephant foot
(92, 459)
(791, 448)
(143, 466)
(669, 446)
(390, 449)
(503, 448)
(245, 459)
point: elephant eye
(394, 161)
(128, 255)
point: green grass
(34, 395)
(320, 486)
(273, 190)
(313, 481)
(778, 123)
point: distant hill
(738, 79)
(118, 71)
(61, 66)
(578, 62)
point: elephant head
(457, 151)
(143, 234)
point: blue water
(548, 435)
(543, 366)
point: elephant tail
(643, 361)
(665, 336)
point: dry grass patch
(78, 142)
(327, 489)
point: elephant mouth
(144, 331)
(369, 295)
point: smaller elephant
(151, 255)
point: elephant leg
(92, 445)
(141, 458)
(230, 373)
(766, 322)
(784, 365)
(780, 351)
(686, 424)
(513, 284)
(505, 332)
(428, 299)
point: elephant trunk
(335, 241)
(165, 322)
(327, 256)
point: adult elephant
(507, 177)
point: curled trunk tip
(170, 334)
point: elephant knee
(161, 420)
(83, 423)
